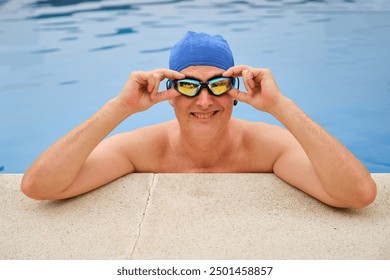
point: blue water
(61, 60)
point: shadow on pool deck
(191, 216)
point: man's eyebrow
(195, 78)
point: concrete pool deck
(191, 216)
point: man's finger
(239, 95)
(164, 95)
(247, 77)
(235, 71)
(169, 74)
(151, 79)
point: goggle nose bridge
(204, 85)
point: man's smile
(204, 115)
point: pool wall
(191, 216)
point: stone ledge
(191, 216)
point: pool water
(61, 60)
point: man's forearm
(342, 175)
(58, 166)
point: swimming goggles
(191, 87)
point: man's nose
(204, 99)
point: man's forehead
(202, 72)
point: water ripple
(56, 14)
(107, 47)
(156, 50)
(306, 2)
(63, 3)
(69, 39)
(58, 6)
(119, 31)
(60, 3)
(60, 23)
(43, 51)
(68, 83)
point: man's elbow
(31, 187)
(367, 193)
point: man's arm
(79, 161)
(312, 160)
(326, 169)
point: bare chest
(233, 163)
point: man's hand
(262, 91)
(141, 89)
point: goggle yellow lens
(188, 87)
(220, 85)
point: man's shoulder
(261, 142)
(259, 133)
(145, 145)
(255, 127)
(149, 134)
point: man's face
(205, 114)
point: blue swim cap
(196, 49)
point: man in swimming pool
(204, 137)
